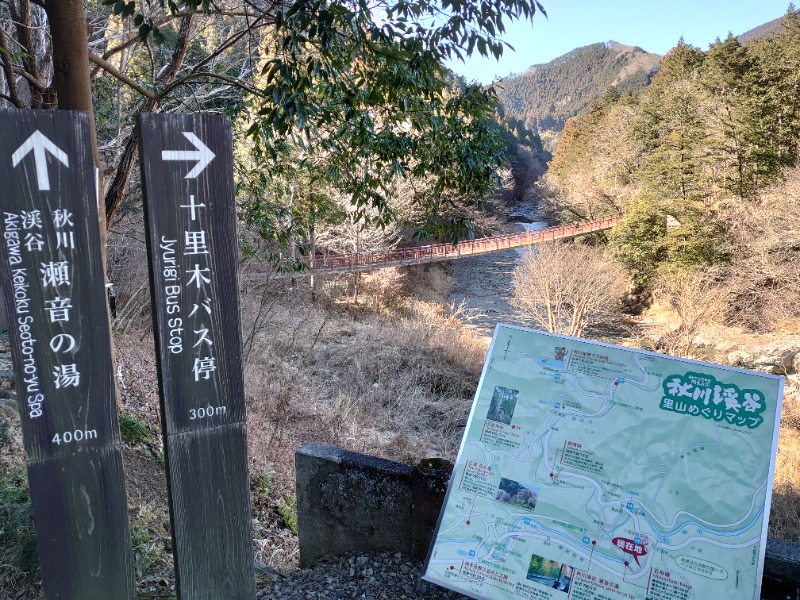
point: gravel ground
(356, 576)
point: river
(483, 284)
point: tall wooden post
(54, 287)
(187, 176)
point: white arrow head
(39, 144)
(203, 155)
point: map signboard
(596, 472)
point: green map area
(596, 472)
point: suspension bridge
(416, 255)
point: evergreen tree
(746, 145)
(672, 129)
(638, 241)
(779, 70)
(673, 224)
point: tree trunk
(122, 174)
(313, 255)
(290, 226)
(70, 60)
(358, 252)
(72, 80)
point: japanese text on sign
(196, 325)
(23, 233)
(702, 395)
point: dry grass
(364, 367)
(127, 267)
(390, 376)
(784, 522)
(398, 385)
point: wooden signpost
(187, 177)
(54, 288)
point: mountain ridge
(763, 30)
(545, 95)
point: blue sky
(654, 25)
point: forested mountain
(768, 28)
(545, 96)
(703, 167)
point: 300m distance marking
(207, 411)
(79, 435)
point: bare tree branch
(202, 77)
(39, 87)
(112, 70)
(135, 38)
(116, 191)
(565, 288)
(259, 22)
(196, 75)
(179, 53)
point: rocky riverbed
(483, 284)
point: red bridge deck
(366, 261)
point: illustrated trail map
(596, 472)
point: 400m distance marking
(78, 435)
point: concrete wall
(350, 502)
(353, 502)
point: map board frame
(60, 335)
(190, 208)
(545, 504)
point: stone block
(781, 571)
(350, 502)
(429, 488)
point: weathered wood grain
(54, 290)
(210, 497)
(83, 536)
(193, 255)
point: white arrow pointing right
(203, 155)
(39, 144)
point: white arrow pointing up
(203, 155)
(39, 144)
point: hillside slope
(767, 29)
(545, 96)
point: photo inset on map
(550, 573)
(514, 493)
(501, 409)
